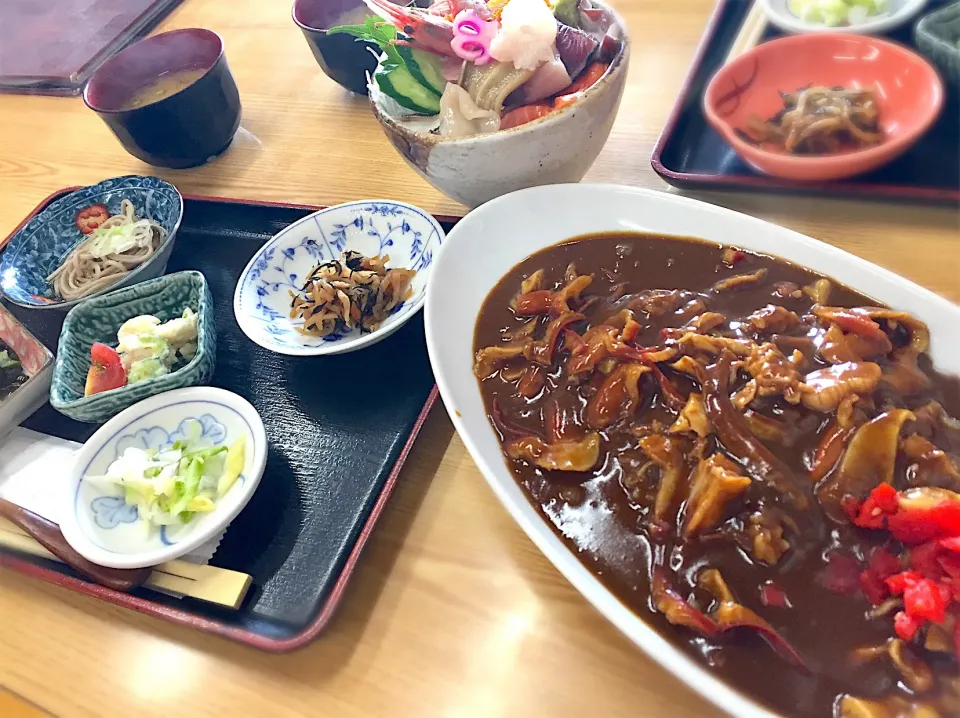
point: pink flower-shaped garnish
(472, 37)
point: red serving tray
(189, 612)
(218, 628)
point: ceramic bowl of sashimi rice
(484, 98)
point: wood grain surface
(453, 612)
(13, 706)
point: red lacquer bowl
(909, 94)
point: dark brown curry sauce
(604, 515)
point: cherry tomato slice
(106, 371)
(92, 217)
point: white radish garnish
(528, 31)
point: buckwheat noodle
(87, 270)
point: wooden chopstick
(204, 582)
(751, 31)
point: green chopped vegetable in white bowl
(169, 486)
(163, 477)
(864, 17)
(838, 13)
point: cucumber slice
(426, 67)
(397, 82)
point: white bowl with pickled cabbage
(164, 477)
(538, 112)
(862, 17)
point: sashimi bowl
(532, 107)
(337, 239)
(103, 520)
(49, 238)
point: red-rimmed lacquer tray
(339, 428)
(691, 155)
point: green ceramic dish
(98, 319)
(938, 37)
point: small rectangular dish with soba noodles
(758, 461)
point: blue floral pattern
(46, 239)
(156, 437)
(408, 235)
(211, 430)
(111, 511)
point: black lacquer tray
(339, 429)
(691, 155)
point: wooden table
(453, 612)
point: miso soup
(165, 85)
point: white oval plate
(100, 526)
(495, 237)
(898, 13)
(372, 227)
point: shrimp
(425, 30)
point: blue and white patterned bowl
(98, 320)
(261, 303)
(44, 242)
(100, 526)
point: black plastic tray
(339, 429)
(691, 155)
